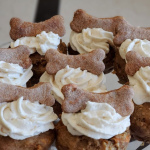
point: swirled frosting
(140, 46)
(22, 119)
(97, 120)
(91, 39)
(14, 74)
(82, 79)
(42, 42)
(141, 85)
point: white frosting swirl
(97, 120)
(42, 42)
(14, 74)
(140, 46)
(91, 39)
(22, 119)
(82, 79)
(141, 85)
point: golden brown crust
(20, 28)
(135, 61)
(140, 122)
(40, 142)
(40, 92)
(18, 55)
(75, 99)
(91, 62)
(121, 29)
(66, 141)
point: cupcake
(85, 70)
(140, 118)
(135, 54)
(90, 37)
(137, 45)
(40, 37)
(91, 122)
(25, 123)
(15, 65)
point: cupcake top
(84, 79)
(140, 46)
(97, 121)
(41, 43)
(21, 119)
(97, 115)
(139, 79)
(90, 39)
(84, 70)
(38, 36)
(15, 65)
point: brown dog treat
(110, 56)
(40, 92)
(82, 20)
(18, 55)
(42, 141)
(75, 99)
(91, 62)
(140, 122)
(135, 61)
(67, 141)
(121, 29)
(126, 31)
(20, 28)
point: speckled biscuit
(18, 55)
(75, 99)
(126, 31)
(134, 62)
(66, 141)
(140, 122)
(40, 92)
(121, 29)
(91, 62)
(82, 20)
(42, 141)
(20, 28)
(108, 60)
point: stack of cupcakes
(90, 117)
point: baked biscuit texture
(134, 62)
(75, 99)
(140, 122)
(91, 62)
(120, 28)
(18, 55)
(39, 142)
(19, 28)
(40, 92)
(66, 141)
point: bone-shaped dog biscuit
(126, 31)
(40, 92)
(20, 28)
(82, 20)
(121, 29)
(18, 55)
(75, 99)
(91, 62)
(134, 62)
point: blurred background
(136, 12)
